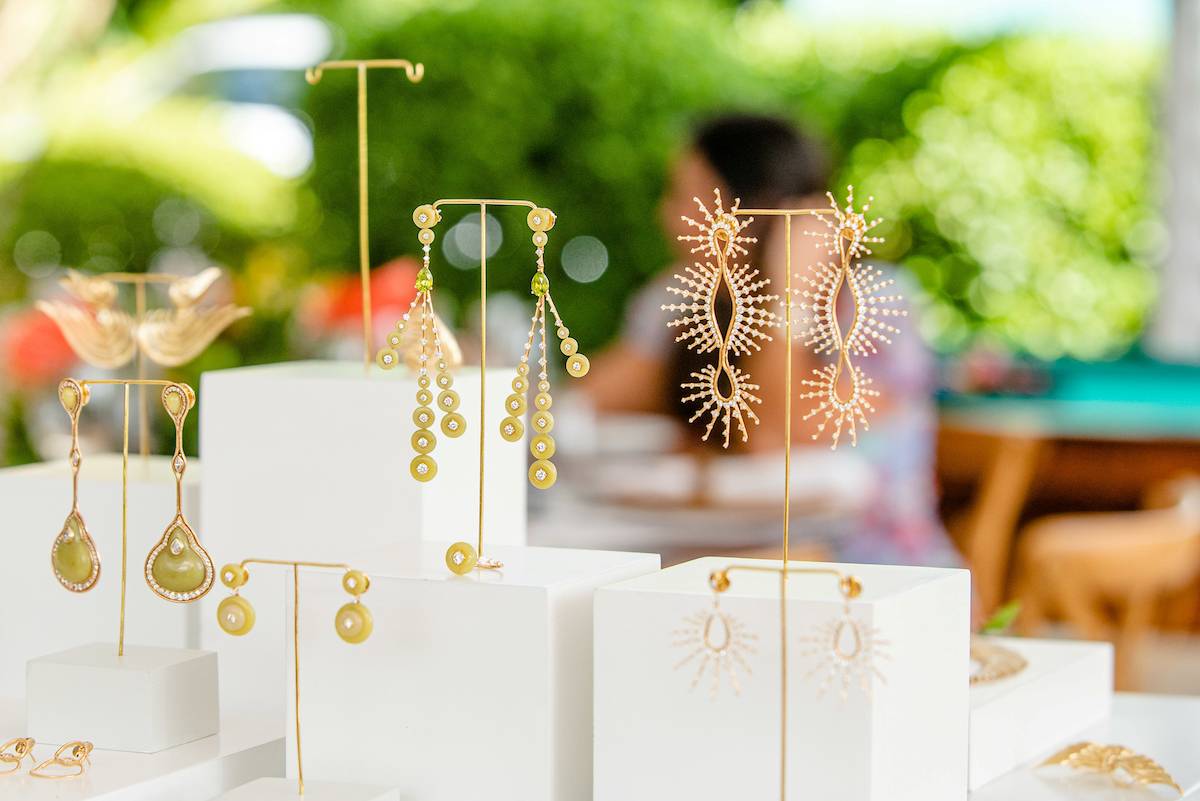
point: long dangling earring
(542, 473)
(73, 555)
(717, 643)
(423, 466)
(721, 240)
(177, 567)
(845, 650)
(847, 239)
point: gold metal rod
(414, 72)
(783, 685)
(364, 257)
(793, 571)
(289, 563)
(143, 414)
(296, 666)
(128, 382)
(783, 213)
(483, 202)
(124, 516)
(482, 359)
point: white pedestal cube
(470, 687)
(45, 618)
(246, 749)
(668, 728)
(1065, 688)
(285, 790)
(310, 460)
(148, 700)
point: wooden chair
(1106, 573)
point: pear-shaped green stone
(69, 398)
(72, 557)
(173, 401)
(178, 567)
(424, 280)
(540, 284)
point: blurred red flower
(335, 306)
(33, 350)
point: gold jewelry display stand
(125, 384)
(414, 73)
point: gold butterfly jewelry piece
(74, 756)
(723, 391)
(846, 238)
(542, 473)
(177, 567)
(104, 335)
(73, 556)
(845, 651)
(423, 466)
(717, 644)
(1126, 767)
(353, 621)
(14, 752)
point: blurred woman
(766, 163)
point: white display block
(1165, 728)
(310, 460)
(148, 700)
(1065, 688)
(246, 749)
(45, 618)
(285, 790)
(904, 740)
(470, 687)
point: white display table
(43, 617)
(246, 749)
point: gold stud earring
(235, 615)
(723, 391)
(542, 473)
(847, 239)
(74, 756)
(353, 621)
(14, 752)
(177, 567)
(845, 650)
(73, 555)
(717, 643)
(423, 466)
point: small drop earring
(235, 615)
(73, 556)
(353, 621)
(72, 756)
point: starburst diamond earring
(723, 391)
(847, 239)
(716, 642)
(423, 467)
(845, 651)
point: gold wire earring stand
(313, 75)
(125, 384)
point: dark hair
(762, 159)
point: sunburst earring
(542, 473)
(423, 466)
(723, 391)
(73, 555)
(718, 644)
(177, 567)
(847, 239)
(845, 650)
(353, 621)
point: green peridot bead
(424, 280)
(540, 284)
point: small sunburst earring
(723, 391)
(542, 473)
(74, 756)
(235, 615)
(14, 753)
(353, 621)
(845, 650)
(846, 238)
(717, 644)
(423, 466)
(73, 555)
(177, 567)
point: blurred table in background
(1094, 440)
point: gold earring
(353, 621)
(14, 752)
(73, 555)
(845, 650)
(716, 642)
(75, 755)
(847, 239)
(542, 473)
(423, 466)
(235, 615)
(177, 567)
(723, 391)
